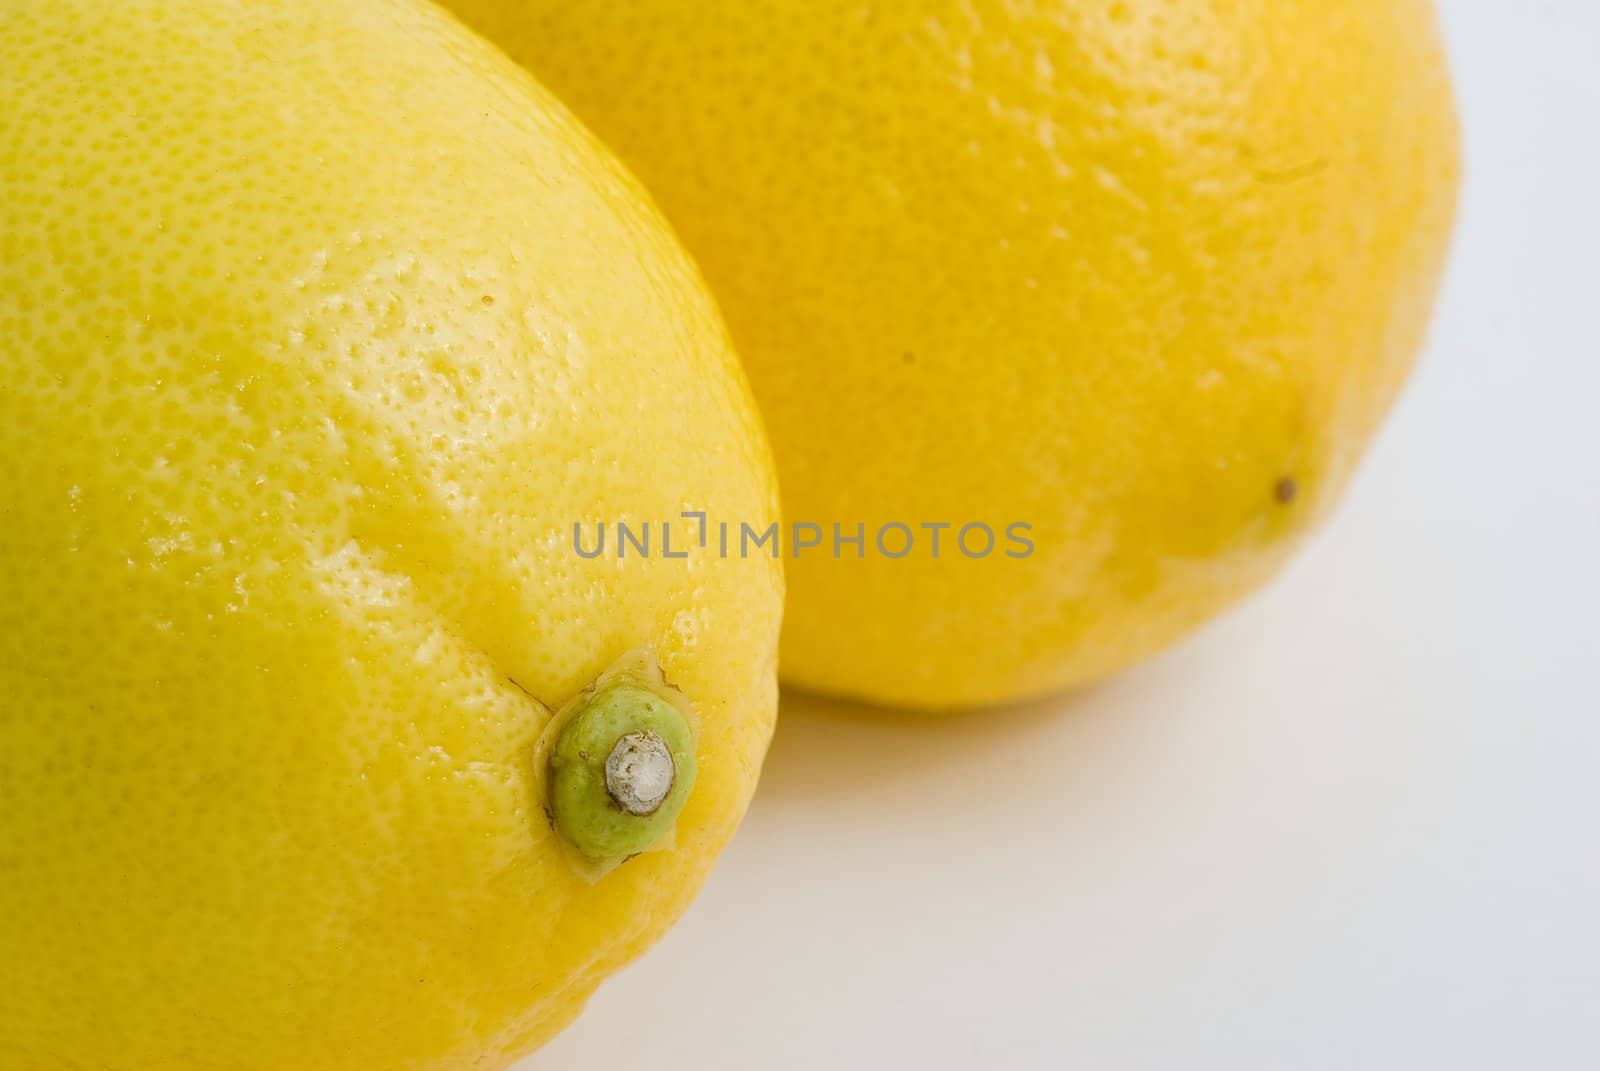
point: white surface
(1351, 826)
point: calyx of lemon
(620, 764)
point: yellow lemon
(323, 327)
(1073, 315)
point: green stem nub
(621, 770)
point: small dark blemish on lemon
(584, 755)
(1285, 490)
(488, 299)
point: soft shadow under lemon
(826, 746)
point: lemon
(1073, 316)
(324, 326)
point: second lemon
(1067, 318)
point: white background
(1351, 826)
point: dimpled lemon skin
(1142, 274)
(322, 326)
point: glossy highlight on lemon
(1142, 275)
(323, 325)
